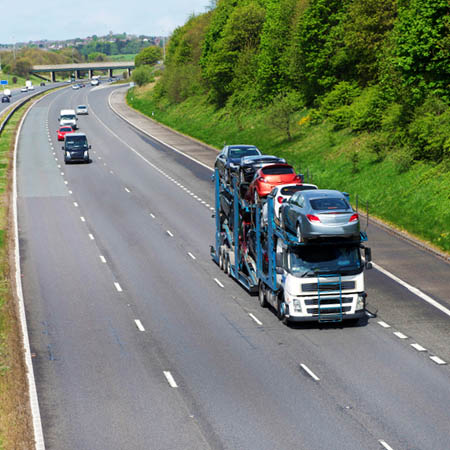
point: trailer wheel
(228, 271)
(262, 296)
(280, 312)
(225, 263)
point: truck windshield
(68, 117)
(306, 261)
(76, 143)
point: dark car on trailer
(251, 164)
(228, 161)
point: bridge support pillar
(78, 73)
(110, 71)
(53, 76)
(91, 73)
(129, 73)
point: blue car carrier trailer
(320, 280)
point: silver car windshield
(308, 260)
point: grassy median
(415, 200)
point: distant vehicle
(82, 109)
(5, 99)
(7, 92)
(95, 82)
(319, 213)
(75, 86)
(268, 177)
(76, 148)
(29, 85)
(82, 85)
(42, 83)
(24, 89)
(250, 164)
(62, 131)
(68, 117)
(229, 159)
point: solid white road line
(414, 290)
(192, 256)
(438, 360)
(219, 283)
(255, 319)
(91, 237)
(139, 325)
(169, 233)
(418, 347)
(102, 259)
(400, 335)
(170, 379)
(385, 445)
(117, 285)
(384, 324)
(310, 372)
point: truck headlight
(360, 301)
(297, 305)
(67, 154)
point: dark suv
(229, 159)
(76, 148)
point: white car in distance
(81, 109)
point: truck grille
(312, 287)
(315, 311)
(327, 301)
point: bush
(366, 112)
(142, 75)
(403, 160)
(342, 94)
(14, 80)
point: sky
(54, 20)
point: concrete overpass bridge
(83, 67)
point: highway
(141, 342)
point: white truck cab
(68, 117)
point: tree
(97, 56)
(22, 67)
(148, 56)
(142, 75)
(283, 107)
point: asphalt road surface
(138, 346)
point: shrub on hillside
(142, 75)
(342, 94)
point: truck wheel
(221, 259)
(262, 296)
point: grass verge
(416, 201)
(16, 430)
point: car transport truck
(318, 280)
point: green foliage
(22, 67)
(97, 57)
(422, 47)
(281, 111)
(142, 75)
(148, 56)
(342, 94)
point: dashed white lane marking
(418, 347)
(255, 318)
(111, 172)
(117, 285)
(59, 166)
(437, 360)
(91, 237)
(400, 335)
(219, 283)
(169, 233)
(75, 204)
(54, 153)
(170, 379)
(384, 324)
(414, 290)
(139, 325)
(70, 192)
(152, 215)
(207, 205)
(82, 219)
(385, 445)
(99, 157)
(56, 159)
(62, 173)
(309, 372)
(127, 190)
(192, 256)
(102, 259)
(66, 182)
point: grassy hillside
(416, 200)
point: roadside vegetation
(15, 422)
(355, 94)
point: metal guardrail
(19, 104)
